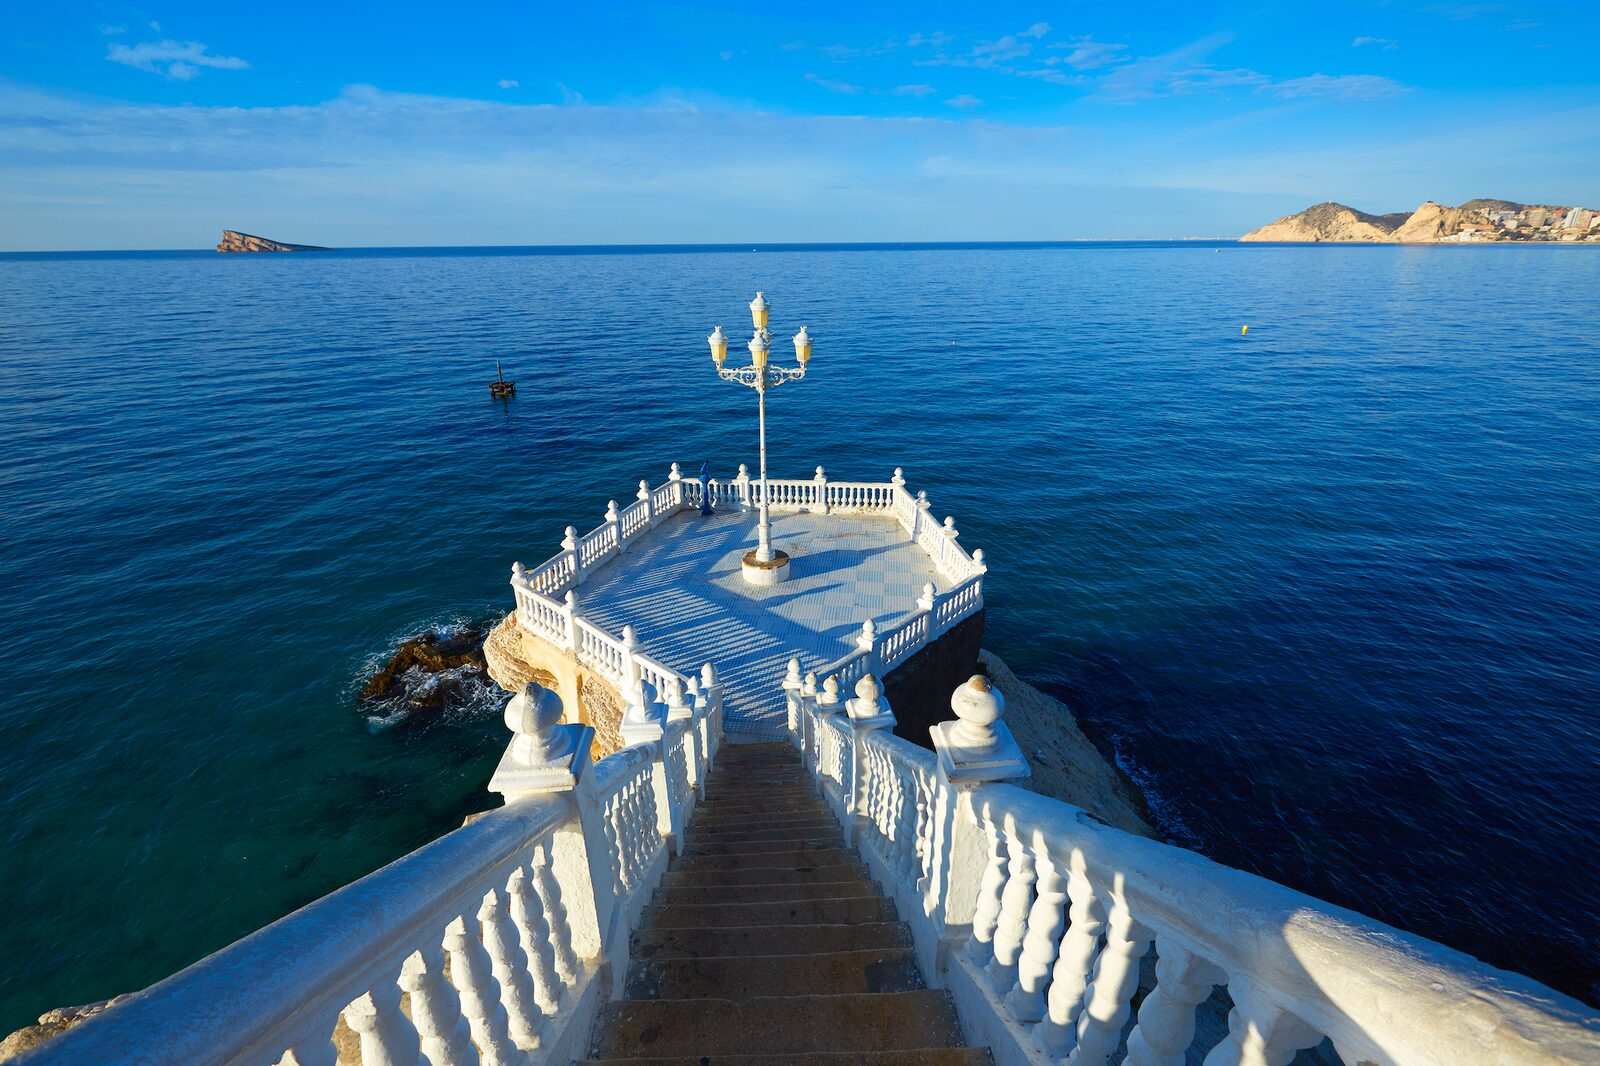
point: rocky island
(1474, 222)
(234, 241)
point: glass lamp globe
(802, 346)
(758, 350)
(719, 345)
(758, 311)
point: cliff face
(1474, 222)
(234, 241)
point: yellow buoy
(1243, 330)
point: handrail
(283, 987)
(1380, 994)
(1036, 916)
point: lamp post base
(773, 572)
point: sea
(1327, 589)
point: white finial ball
(979, 705)
(533, 711)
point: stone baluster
(387, 1036)
(1012, 924)
(711, 689)
(1260, 1033)
(986, 915)
(316, 1048)
(822, 491)
(436, 1009)
(743, 483)
(569, 616)
(928, 601)
(535, 934)
(649, 508)
(1058, 1031)
(827, 699)
(1166, 1018)
(510, 968)
(548, 885)
(924, 831)
(675, 477)
(1116, 977)
(1046, 921)
(923, 519)
(470, 972)
(792, 684)
(569, 545)
(702, 728)
(614, 520)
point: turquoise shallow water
(1331, 590)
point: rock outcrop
(1328, 222)
(1065, 764)
(51, 1023)
(234, 241)
(1474, 222)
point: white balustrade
(1037, 915)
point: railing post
(644, 723)
(899, 478)
(700, 708)
(822, 491)
(743, 481)
(975, 749)
(792, 684)
(711, 688)
(569, 545)
(675, 477)
(569, 614)
(519, 585)
(808, 720)
(649, 508)
(545, 756)
(923, 518)
(867, 641)
(614, 520)
(865, 714)
(927, 602)
(680, 709)
(630, 659)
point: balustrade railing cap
(978, 746)
(867, 710)
(544, 755)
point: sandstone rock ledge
(234, 241)
(1066, 766)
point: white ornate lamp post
(764, 565)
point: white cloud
(1089, 54)
(1038, 29)
(725, 55)
(913, 90)
(1375, 42)
(509, 83)
(1340, 87)
(110, 30)
(965, 100)
(178, 60)
(834, 86)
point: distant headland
(234, 241)
(1474, 222)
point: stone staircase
(768, 945)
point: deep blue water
(1331, 589)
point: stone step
(933, 1056)
(724, 941)
(889, 1021)
(762, 831)
(740, 822)
(762, 807)
(699, 847)
(859, 888)
(767, 860)
(797, 875)
(779, 912)
(881, 970)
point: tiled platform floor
(681, 590)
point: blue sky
(351, 125)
